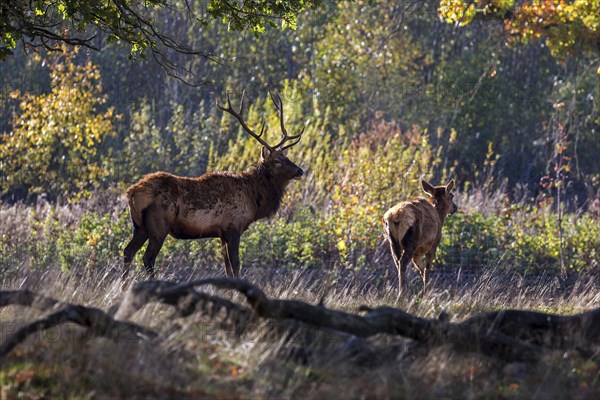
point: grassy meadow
(72, 253)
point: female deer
(414, 229)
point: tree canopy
(567, 27)
(45, 23)
(361, 69)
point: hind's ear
(428, 187)
(450, 185)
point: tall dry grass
(198, 357)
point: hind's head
(441, 196)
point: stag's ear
(450, 186)
(428, 187)
(264, 153)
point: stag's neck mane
(267, 190)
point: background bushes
(330, 223)
(388, 97)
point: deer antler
(292, 140)
(286, 138)
(229, 109)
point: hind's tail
(397, 224)
(394, 245)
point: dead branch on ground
(95, 320)
(511, 335)
(186, 301)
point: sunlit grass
(197, 357)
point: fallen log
(548, 330)
(95, 320)
(186, 301)
(513, 335)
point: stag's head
(441, 196)
(273, 158)
(279, 166)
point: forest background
(390, 92)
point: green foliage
(568, 27)
(146, 148)
(182, 146)
(537, 244)
(302, 241)
(361, 69)
(55, 143)
(191, 141)
(527, 242)
(43, 22)
(473, 242)
(95, 241)
(256, 15)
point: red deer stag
(414, 229)
(215, 205)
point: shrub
(54, 144)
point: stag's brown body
(208, 206)
(218, 205)
(414, 229)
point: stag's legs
(150, 255)
(157, 232)
(139, 238)
(230, 245)
(225, 254)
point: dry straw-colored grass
(199, 357)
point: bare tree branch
(185, 299)
(512, 335)
(97, 321)
(509, 335)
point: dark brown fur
(220, 205)
(414, 229)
